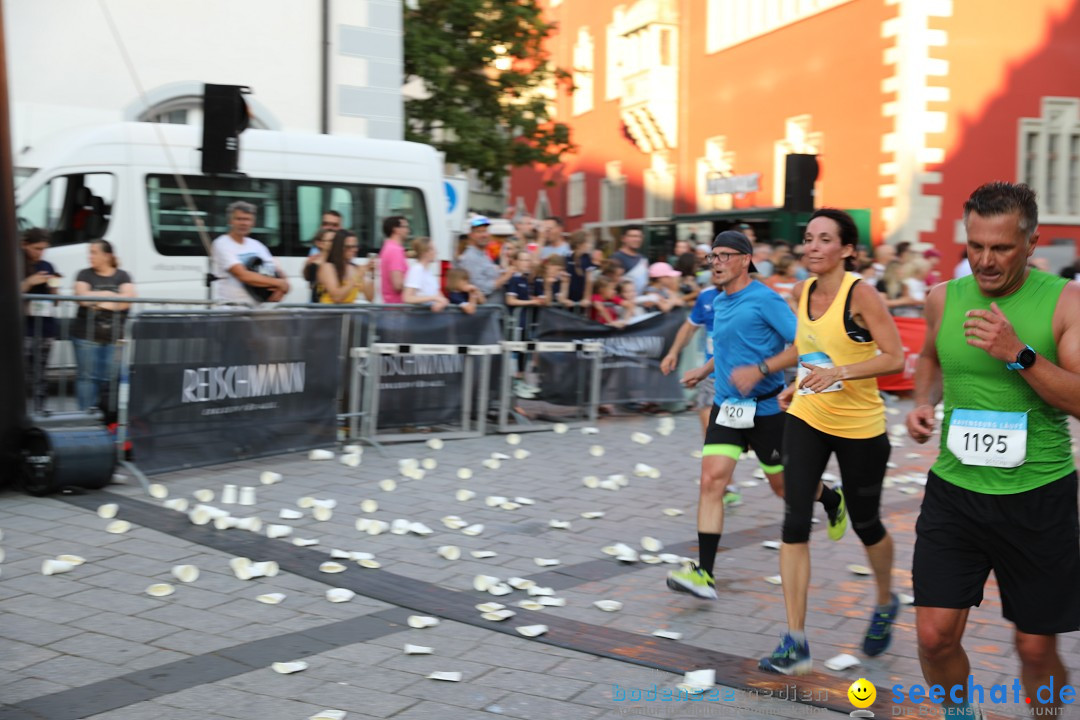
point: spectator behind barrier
(317, 256)
(553, 282)
(605, 302)
(662, 293)
(686, 265)
(784, 277)
(422, 285)
(340, 279)
(488, 276)
(393, 263)
(580, 269)
(681, 248)
(629, 309)
(39, 278)
(554, 243)
(99, 325)
(933, 256)
(243, 268)
(634, 264)
(461, 292)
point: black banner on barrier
(630, 369)
(228, 385)
(423, 390)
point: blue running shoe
(879, 634)
(789, 658)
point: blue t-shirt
(749, 326)
(702, 316)
(518, 286)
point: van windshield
(289, 211)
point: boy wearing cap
(752, 326)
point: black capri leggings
(862, 470)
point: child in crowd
(580, 268)
(629, 308)
(605, 302)
(552, 282)
(522, 300)
(461, 292)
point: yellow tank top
(854, 410)
(324, 297)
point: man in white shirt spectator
(244, 270)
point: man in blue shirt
(752, 325)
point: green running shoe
(838, 519)
(692, 580)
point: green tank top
(973, 380)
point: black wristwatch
(763, 368)
(1024, 359)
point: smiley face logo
(862, 693)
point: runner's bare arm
(1058, 385)
(921, 420)
(671, 360)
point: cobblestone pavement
(91, 643)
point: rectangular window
(575, 195)
(289, 213)
(612, 200)
(73, 208)
(1048, 159)
(1031, 158)
(172, 223)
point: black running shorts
(766, 439)
(1031, 541)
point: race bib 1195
(988, 438)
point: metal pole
(13, 419)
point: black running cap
(736, 241)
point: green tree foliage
(487, 81)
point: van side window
(172, 222)
(73, 208)
(362, 208)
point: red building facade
(685, 111)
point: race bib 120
(737, 413)
(988, 438)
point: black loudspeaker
(800, 174)
(225, 116)
(55, 458)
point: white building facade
(332, 66)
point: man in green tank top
(1002, 353)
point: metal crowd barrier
(589, 397)
(50, 357)
(486, 394)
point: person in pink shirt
(392, 261)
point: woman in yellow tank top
(340, 280)
(844, 339)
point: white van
(118, 182)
